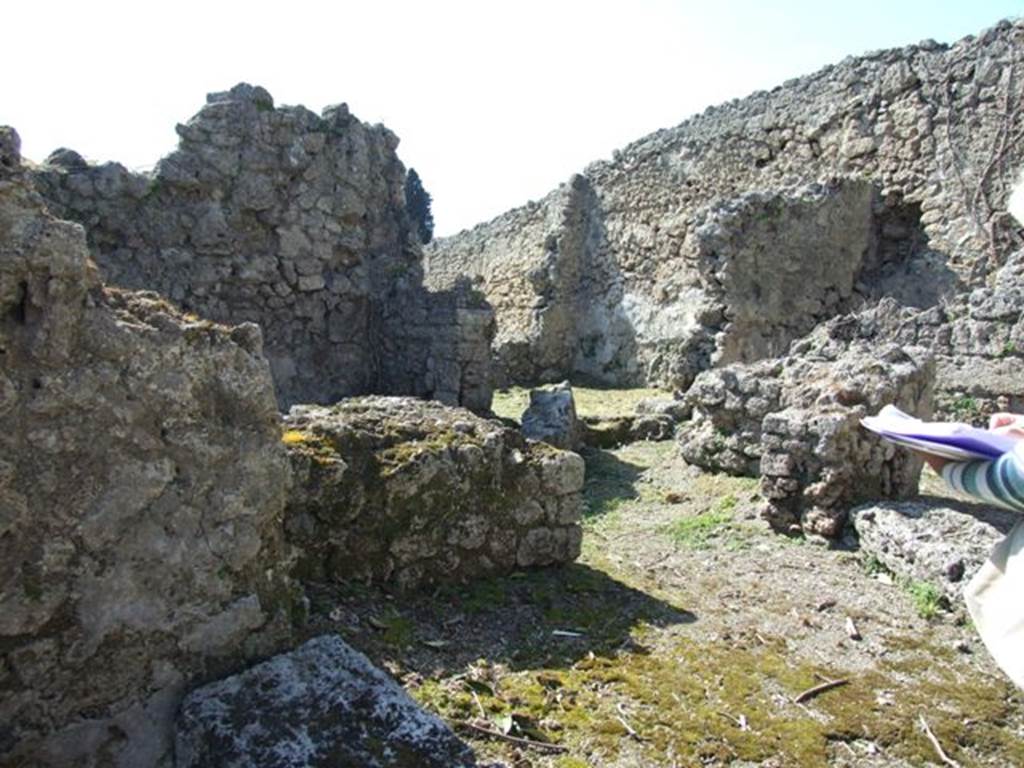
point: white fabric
(995, 599)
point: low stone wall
(407, 492)
(978, 342)
(142, 482)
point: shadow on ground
(610, 481)
(550, 617)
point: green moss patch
(714, 703)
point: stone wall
(295, 221)
(543, 266)
(932, 129)
(978, 342)
(142, 482)
(406, 492)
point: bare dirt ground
(685, 636)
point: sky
(496, 103)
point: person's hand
(1009, 424)
(933, 461)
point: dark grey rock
(324, 705)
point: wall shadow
(609, 481)
(544, 618)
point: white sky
(495, 103)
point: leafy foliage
(417, 203)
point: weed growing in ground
(928, 599)
(873, 566)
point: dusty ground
(683, 636)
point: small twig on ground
(566, 633)
(851, 629)
(479, 706)
(810, 693)
(938, 747)
(656, 561)
(741, 721)
(629, 729)
(511, 739)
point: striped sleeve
(999, 482)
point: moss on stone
(318, 447)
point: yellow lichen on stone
(294, 437)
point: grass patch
(966, 409)
(609, 482)
(611, 403)
(874, 567)
(928, 599)
(398, 631)
(510, 403)
(590, 401)
(699, 531)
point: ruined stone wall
(757, 418)
(291, 220)
(935, 130)
(795, 420)
(142, 482)
(539, 264)
(978, 342)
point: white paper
(951, 440)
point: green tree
(417, 204)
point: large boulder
(142, 481)
(409, 492)
(943, 544)
(321, 706)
